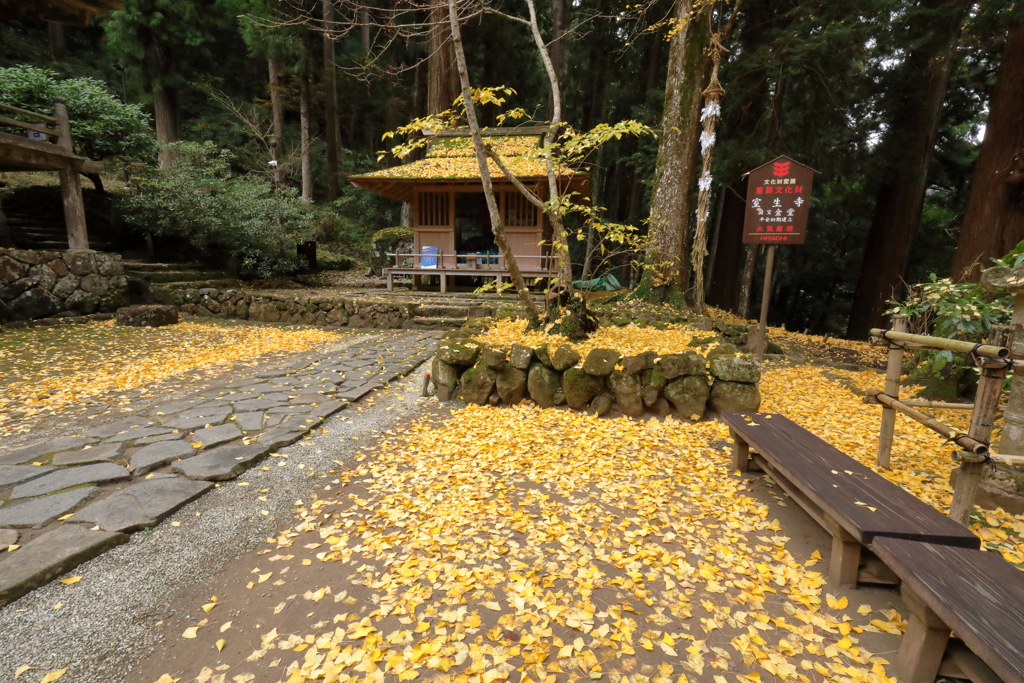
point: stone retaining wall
(44, 284)
(288, 308)
(686, 384)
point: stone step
(145, 267)
(160, 277)
(426, 323)
(200, 284)
(465, 311)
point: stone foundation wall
(288, 308)
(686, 384)
(46, 284)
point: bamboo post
(892, 388)
(990, 389)
(70, 184)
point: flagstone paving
(167, 453)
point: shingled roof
(452, 158)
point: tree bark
(58, 45)
(331, 104)
(667, 271)
(994, 222)
(304, 125)
(277, 107)
(165, 117)
(559, 21)
(442, 75)
(364, 28)
(747, 281)
(908, 146)
(485, 172)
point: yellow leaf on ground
(220, 644)
(53, 675)
(21, 669)
(190, 632)
(837, 603)
(864, 609)
(70, 580)
(209, 606)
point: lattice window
(519, 212)
(434, 208)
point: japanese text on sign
(778, 203)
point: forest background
(911, 112)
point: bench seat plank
(977, 594)
(836, 483)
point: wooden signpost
(778, 204)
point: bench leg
(444, 283)
(391, 282)
(844, 563)
(924, 643)
(740, 453)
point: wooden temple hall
(454, 239)
(39, 142)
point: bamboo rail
(963, 440)
(982, 350)
(924, 403)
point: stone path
(69, 498)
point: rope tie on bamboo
(973, 356)
(882, 393)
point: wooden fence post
(70, 184)
(892, 388)
(990, 388)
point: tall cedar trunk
(165, 97)
(277, 108)
(330, 103)
(724, 283)
(747, 280)
(667, 271)
(908, 147)
(994, 221)
(165, 117)
(559, 20)
(58, 46)
(497, 225)
(364, 28)
(304, 125)
(442, 76)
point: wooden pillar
(70, 184)
(923, 644)
(844, 563)
(740, 453)
(892, 388)
(986, 402)
(766, 293)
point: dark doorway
(473, 232)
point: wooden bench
(853, 503)
(977, 595)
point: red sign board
(778, 203)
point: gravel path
(103, 627)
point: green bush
(101, 125)
(198, 199)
